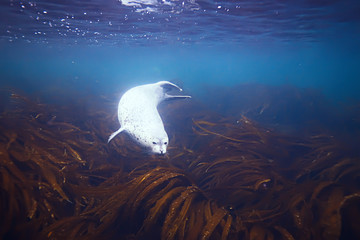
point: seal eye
(165, 143)
(154, 143)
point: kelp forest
(252, 163)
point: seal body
(139, 117)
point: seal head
(139, 117)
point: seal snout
(159, 151)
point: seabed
(223, 177)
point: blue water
(284, 76)
(106, 46)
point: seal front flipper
(170, 97)
(115, 133)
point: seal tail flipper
(115, 133)
(167, 86)
(170, 97)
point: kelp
(223, 178)
(38, 165)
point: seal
(139, 117)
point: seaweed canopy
(222, 179)
(278, 185)
(44, 160)
(161, 195)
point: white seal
(139, 117)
